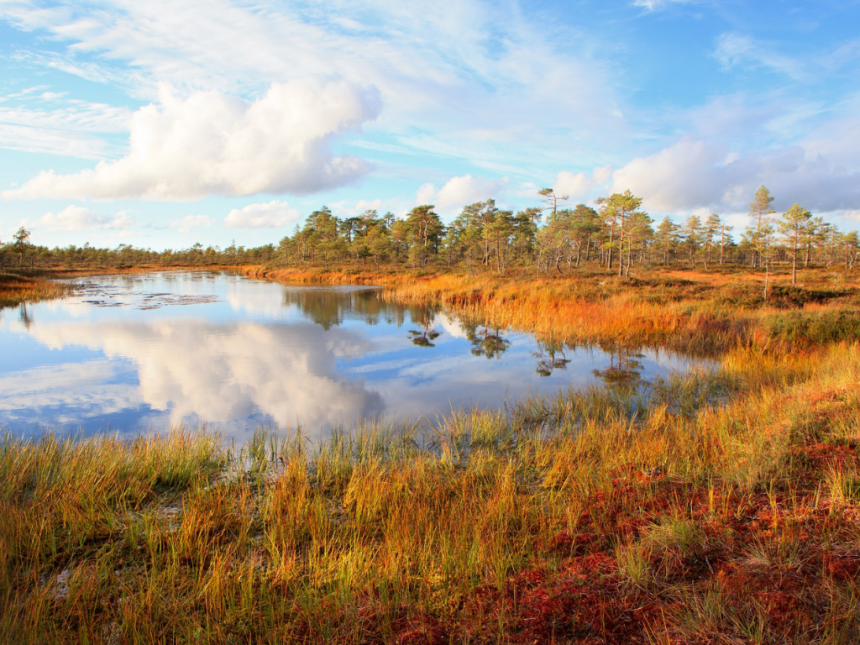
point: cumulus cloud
(364, 205)
(460, 191)
(451, 325)
(190, 222)
(579, 184)
(698, 174)
(79, 218)
(271, 215)
(214, 144)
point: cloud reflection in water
(222, 373)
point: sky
(162, 124)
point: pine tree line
(616, 234)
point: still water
(146, 352)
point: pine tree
(792, 225)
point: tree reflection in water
(486, 341)
(550, 357)
(330, 307)
(625, 367)
(427, 334)
(24, 316)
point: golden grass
(18, 287)
(719, 507)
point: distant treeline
(20, 253)
(549, 238)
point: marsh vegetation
(719, 505)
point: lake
(145, 352)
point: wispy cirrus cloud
(39, 121)
(437, 66)
(740, 50)
(655, 5)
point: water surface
(144, 352)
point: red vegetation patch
(418, 629)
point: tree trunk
(794, 264)
(609, 250)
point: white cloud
(451, 325)
(190, 222)
(79, 218)
(683, 176)
(438, 66)
(697, 174)
(121, 221)
(734, 50)
(363, 205)
(271, 215)
(460, 191)
(211, 143)
(72, 130)
(579, 184)
(28, 394)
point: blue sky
(161, 124)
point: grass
(718, 506)
(570, 519)
(22, 286)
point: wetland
(150, 351)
